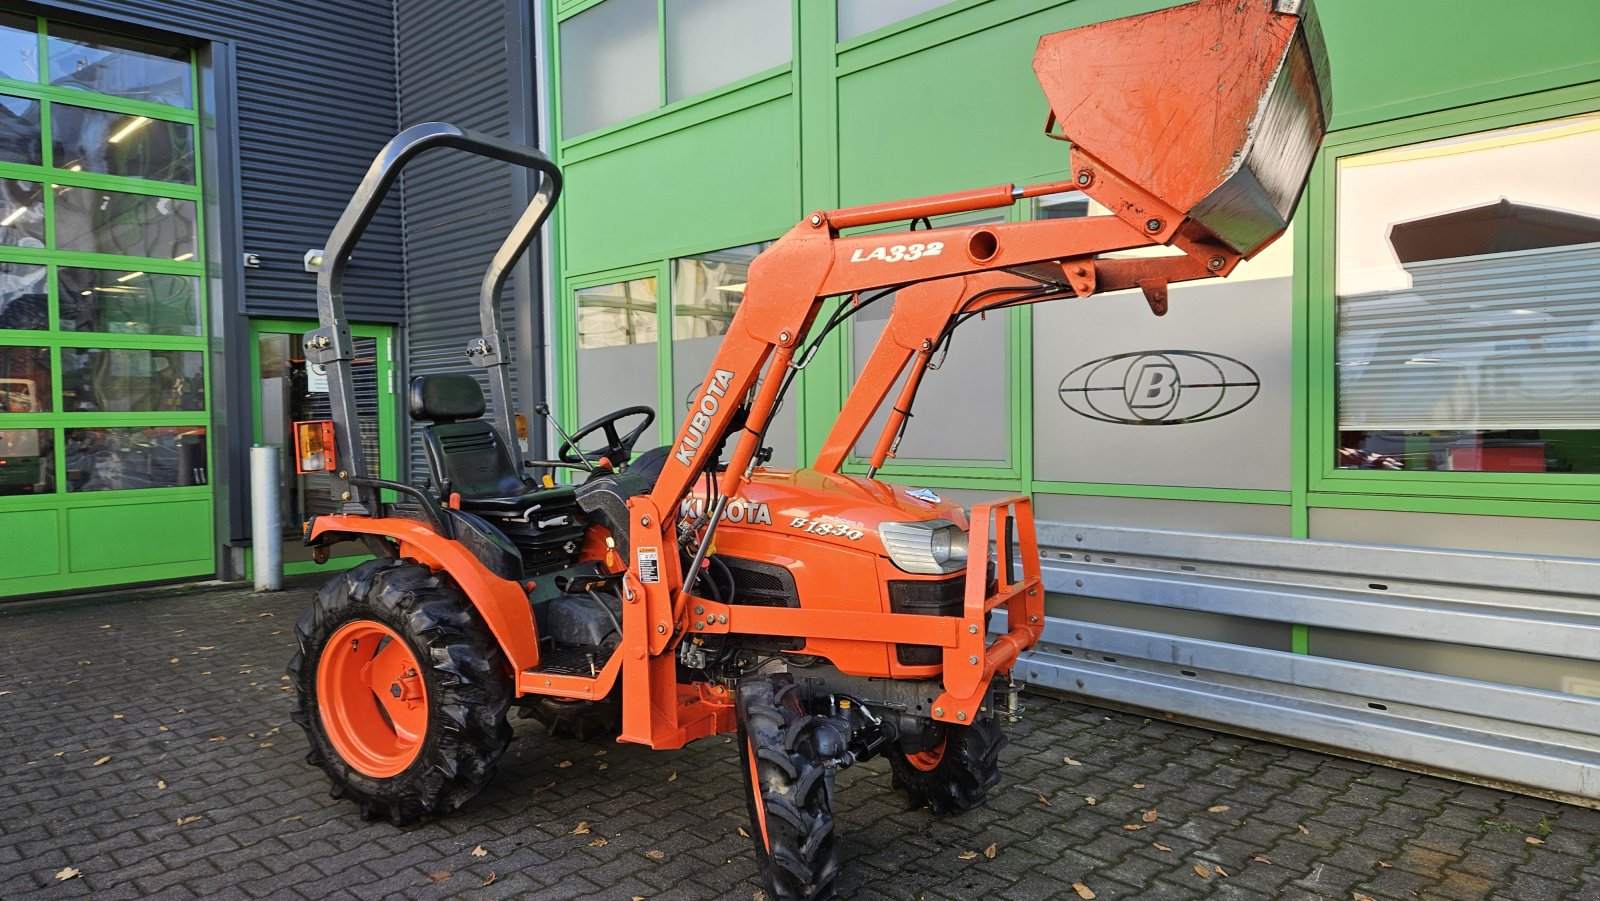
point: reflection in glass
(27, 461)
(711, 43)
(119, 66)
(610, 65)
(88, 140)
(97, 380)
(128, 303)
(1468, 321)
(616, 347)
(130, 458)
(19, 47)
(19, 131)
(132, 225)
(857, 17)
(24, 379)
(23, 304)
(21, 213)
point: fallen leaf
(1201, 871)
(1534, 841)
(1357, 896)
(206, 647)
(59, 754)
(603, 767)
(1138, 785)
(1302, 828)
(163, 729)
(1133, 827)
(563, 764)
(118, 716)
(101, 760)
(4, 693)
(1220, 808)
(1161, 847)
(489, 879)
(758, 895)
(161, 784)
(433, 878)
(655, 855)
(218, 738)
(184, 821)
(1083, 891)
(1090, 801)
(292, 819)
(173, 660)
(600, 753)
(992, 850)
(743, 833)
(545, 787)
(1220, 871)
(1259, 859)
(479, 852)
(966, 855)
(580, 829)
(673, 778)
(1070, 762)
(1150, 816)
(1043, 800)
(599, 842)
(106, 626)
(263, 615)
(1386, 866)
(69, 873)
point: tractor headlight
(926, 548)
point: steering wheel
(619, 447)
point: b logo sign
(1167, 387)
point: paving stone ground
(145, 742)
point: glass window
(27, 461)
(21, 213)
(610, 65)
(19, 131)
(88, 140)
(119, 66)
(1468, 318)
(128, 303)
(24, 379)
(23, 303)
(857, 17)
(711, 43)
(616, 347)
(121, 459)
(97, 380)
(132, 225)
(19, 47)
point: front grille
(942, 597)
(757, 584)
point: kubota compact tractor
(690, 590)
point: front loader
(691, 590)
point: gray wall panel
(1246, 519)
(315, 101)
(1521, 535)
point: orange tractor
(691, 590)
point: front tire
(788, 781)
(401, 690)
(956, 772)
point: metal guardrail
(1488, 730)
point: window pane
(96, 380)
(119, 66)
(22, 297)
(87, 140)
(24, 379)
(132, 225)
(19, 131)
(610, 65)
(19, 47)
(128, 303)
(21, 213)
(616, 348)
(711, 43)
(27, 461)
(857, 17)
(129, 458)
(1469, 312)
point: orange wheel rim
(927, 760)
(372, 699)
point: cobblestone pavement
(146, 744)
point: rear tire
(957, 773)
(401, 690)
(788, 788)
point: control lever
(543, 409)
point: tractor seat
(468, 456)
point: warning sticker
(649, 565)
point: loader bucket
(1215, 108)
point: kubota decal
(1162, 387)
(899, 253)
(694, 432)
(738, 510)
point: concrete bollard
(266, 527)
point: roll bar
(331, 344)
